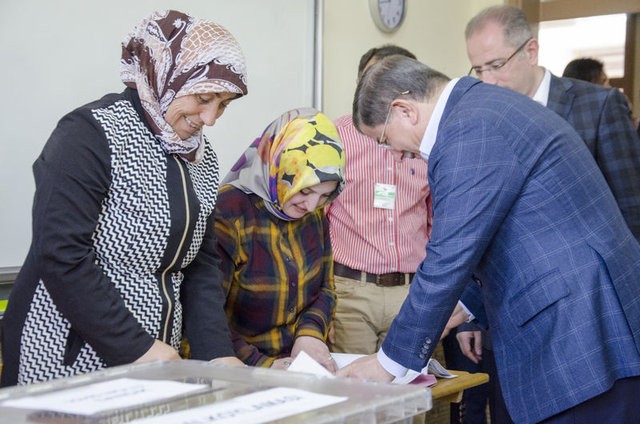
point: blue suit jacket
(520, 203)
(600, 117)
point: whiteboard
(58, 55)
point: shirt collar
(429, 137)
(542, 93)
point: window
(598, 37)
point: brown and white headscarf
(170, 54)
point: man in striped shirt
(379, 227)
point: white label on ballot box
(255, 408)
(98, 397)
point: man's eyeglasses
(382, 141)
(496, 64)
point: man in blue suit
(503, 51)
(521, 208)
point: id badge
(384, 196)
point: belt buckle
(389, 281)
(393, 279)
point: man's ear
(531, 50)
(408, 109)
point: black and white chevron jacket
(122, 250)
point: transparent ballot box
(196, 392)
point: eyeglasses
(498, 63)
(382, 141)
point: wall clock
(388, 14)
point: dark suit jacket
(520, 203)
(601, 117)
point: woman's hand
(159, 351)
(331, 335)
(315, 348)
(282, 363)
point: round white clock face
(387, 14)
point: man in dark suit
(521, 208)
(503, 51)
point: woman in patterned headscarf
(273, 239)
(123, 258)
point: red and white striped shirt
(377, 240)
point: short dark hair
(586, 69)
(381, 52)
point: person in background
(379, 226)
(527, 215)
(592, 70)
(503, 51)
(273, 238)
(122, 262)
(587, 69)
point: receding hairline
(512, 20)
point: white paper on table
(344, 359)
(255, 408)
(305, 363)
(98, 397)
(433, 367)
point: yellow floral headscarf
(298, 150)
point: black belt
(386, 280)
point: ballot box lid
(190, 391)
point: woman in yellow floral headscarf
(273, 239)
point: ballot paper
(427, 377)
(304, 363)
(113, 394)
(434, 367)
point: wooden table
(450, 389)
